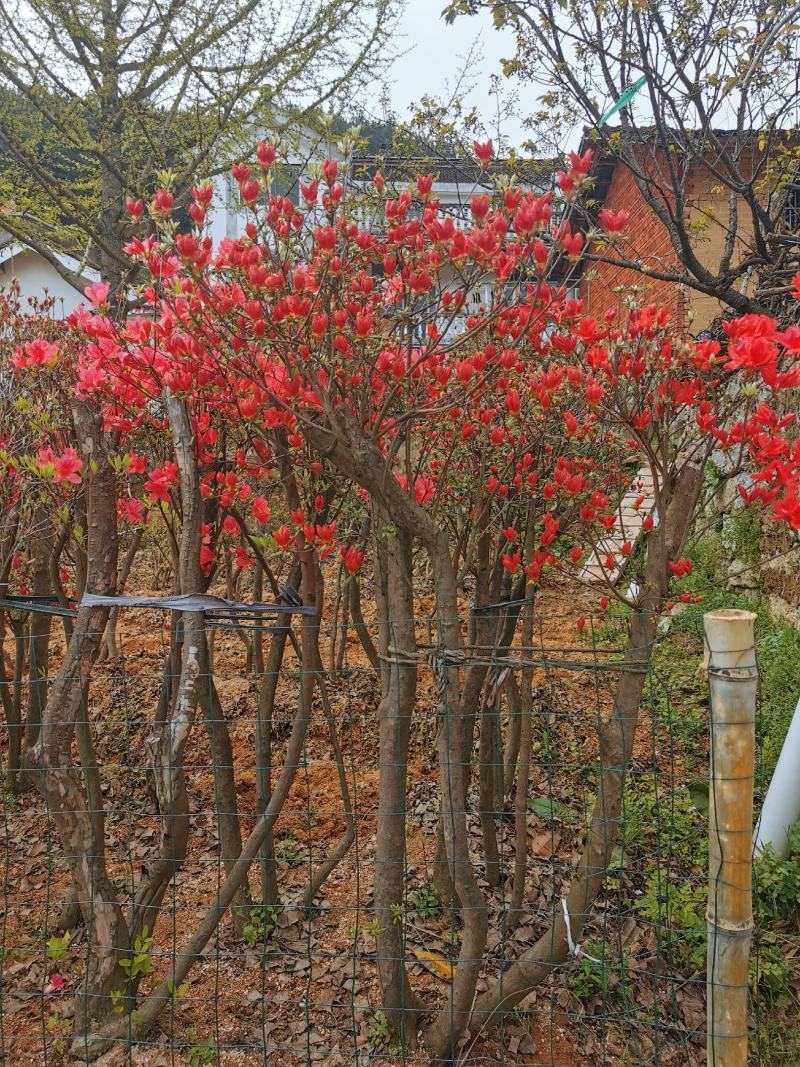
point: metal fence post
(733, 680)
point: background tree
(101, 96)
(716, 110)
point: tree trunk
(381, 582)
(340, 850)
(341, 649)
(487, 788)
(356, 614)
(109, 649)
(56, 585)
(155, 1003)
(60, 782)
(226, 802)
(443, 1034)
(13, 706)
(167, 742)
(398, 1002)
(479, 627)
(269, 675)
(513, 745)
(334, 630)
(39, 648)
(487, 745)
(166, 745)
(616, 736)
(359, 458)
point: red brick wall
(604, 285)
(646, 239)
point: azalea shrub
(325, 392)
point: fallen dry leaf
(435, 962)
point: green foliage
(777, 643)
(547, 808)
(769, 970)
(261, 922)
(776, 1041)
(180, 991)
(742, 533)
(201, 1052)
(288, 850)
(604, 975)
(778, 651)
(58, 1028)
(776, 882)
(373, 928)
(677, 912)
(139, 961)
(57, 946)
(668, 825)
(424, 900)
(379, 1032)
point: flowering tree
(42, 536)
(313, 355)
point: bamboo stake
(733, 678)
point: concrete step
(627, 527)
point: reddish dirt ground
(308, 993)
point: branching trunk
(443, 1034)
(61, 784)
(155, 1003)
(616, 736)
(109, 649)
(358, 458)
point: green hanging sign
(626, 98)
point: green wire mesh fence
(289, 972)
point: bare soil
(307, 992)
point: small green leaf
(547, 808)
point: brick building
(647, 240)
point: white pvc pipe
(781, 808)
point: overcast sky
(434, 58)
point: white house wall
(38, 278)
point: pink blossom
(131, 510)
(67, 467)
(38, 353)
(97, 292)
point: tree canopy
(106, 94)
(717, 106)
